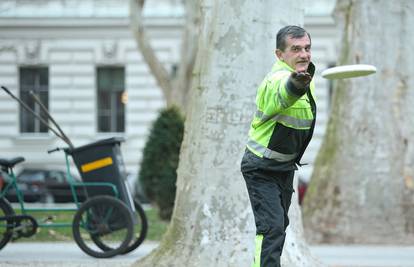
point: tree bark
(157, 69)
(362, 188)
(212, 223)
(174, 88)
(182, 83)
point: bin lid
(108, 141)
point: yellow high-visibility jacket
(285, 117)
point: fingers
(301, 79)
(301, 76)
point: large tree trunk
(362, 188)
(212, 223)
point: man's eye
(295, 49)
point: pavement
(32, 254)
(58, 254)
(365, 256)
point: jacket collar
(280, 65)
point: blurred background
(83, 61)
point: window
(111, 99)
(34, 79)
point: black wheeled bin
(102, 162)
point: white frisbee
(348, 71)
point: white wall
(72, 45)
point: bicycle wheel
(140, 231)
(106, 218)
(6, 226)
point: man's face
(297, 53)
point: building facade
(80, 58)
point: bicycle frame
(12, 184)
(102, 226)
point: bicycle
(106, 224)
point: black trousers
(270, 194)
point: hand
(300, 79)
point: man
(279, 134)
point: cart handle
(61, 135)
(50, 151)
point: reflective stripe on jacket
(285, 117)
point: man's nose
(304, 53)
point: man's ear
(278, 53)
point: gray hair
(292, 31)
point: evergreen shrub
(160, 160)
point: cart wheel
(6, 226)
(107, 219)
(140, 230)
